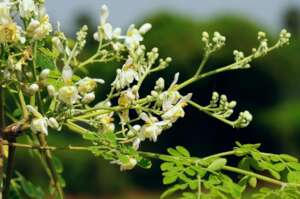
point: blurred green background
(270, 90)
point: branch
(233, 66)
(2, 124)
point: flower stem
(9, 168)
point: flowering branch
(38, 68)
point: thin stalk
(202, 64)
(202, 109)
(48, 157)
(9, 168)
(2, 125)
(42, 138)
(232, 66)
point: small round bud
(33, 88)
(52, 122)
(51, 90)
(88, 98)
(45, 73)
(145, 28)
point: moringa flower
(5, 17)
(126, 75)
(27, 8)
(68, 94)
(88, 98)
(39, 29)
(39, 125)
(87, 85)
(152, 128)
(177, 110)
(133, 37)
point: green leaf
(279, 167)
(294, 165)
(167, 166)
(190, 172)
(145, 163)
(183, 151)
(252, 182)
(29, 189)
(217, 165)
(57, 164)
(17, 112)
(294, 177)
(169, 179)
(275, 174)
(172, 190)
(288, 158)
(44, 61)
(173, 152)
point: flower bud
(33, 88)
(129, 165)
(88, 98)
(51, 90)
(145, 28)
(39, 125)
(45, 73)
(52, 122)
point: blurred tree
(292, 20)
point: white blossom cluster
(53, 95)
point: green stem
(232, 66)
(41, 137)
(202, 64)
(258, 176)
(204, 110)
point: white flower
(126, 76)
(127, 97)
(88, 98)
(39, 29)
(68, 95)
(133, 37)
(117, 33)
(52, 122)
(127, 163)
(104, 13)
(177, 111)
(87, 85)
(5, 17)
(152, 128)
(106, 123)
(170, 97)
(27, 8)
(145, 28)
(39, 125)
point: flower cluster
(216, 43)
(41, 68)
